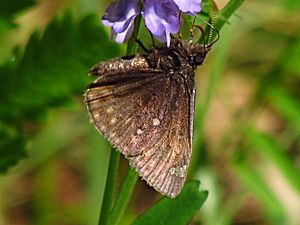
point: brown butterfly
(144, 105)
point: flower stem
(111, 179)
(226, 12)
(123, 197)
(109, 214)
(132, 45)
(131, 177)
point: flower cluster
(161, 17)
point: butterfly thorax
(180, 57)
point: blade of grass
(272, 151)
(225, 13)
(255, 183)
(287, 105)
(109, 214)
(214, 78)
(111, 180)
(97, 166)
(123, 197)
(131, 177)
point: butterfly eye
(198, 59)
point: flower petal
(189, 6)
(161, 18)
(120, 17)
(152, 21)
(125, 35)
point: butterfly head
(197, 54)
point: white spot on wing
(172, 170)
(156, 122)
(178, 171)
(113, 120)
(128, 120)
(159, 153)
(109, 110)
(96, 116)
(139, 131)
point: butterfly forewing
(147, 115)
(164, 165)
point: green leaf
(287, 105)
(291, 5)
(9, 8)
(179, 211)
(255, 183)
(292, 62)
(11, 147)
(55, 67)
(53, 70)
(266, 145)
(6, 25)
(224, 14)
(208, 9)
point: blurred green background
(247, 125)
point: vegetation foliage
(246, 154)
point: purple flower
(161, 18)
(120, 17)
(189, 6)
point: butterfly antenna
(212, 28)
(213, 19)
(203, 35)
(179, 32)
(192, 30)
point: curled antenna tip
(210, 35)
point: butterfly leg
(179, 33)
(140, 43)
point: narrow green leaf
(287, 105)
(11, 147)
(110, 185)
(179, 211)
(9, 8)
(214, 77)
(292, 60)
(291, 5)
(224, 14)
(6, 25)
(266, 145)
(255, 183)
(123, 197)
(131, 177)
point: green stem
(226, 12)
(214, 78)
(132, 45)
(106, 215)
(123, 197)
(111, 180)
(131, 177)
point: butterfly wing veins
(144, 105)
